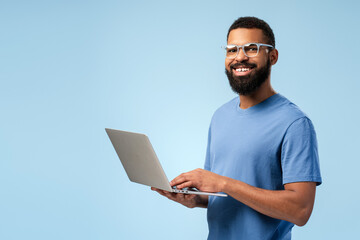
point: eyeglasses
(249, 49)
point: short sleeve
(299, 153)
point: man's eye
(231, 50)
(251, 48)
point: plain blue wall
(68, 69)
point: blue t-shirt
(268, 145)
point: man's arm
(188, 200)
(293, 204)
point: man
(262, 150)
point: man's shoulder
(228, 107)
(288, 109)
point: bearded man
(262, 149)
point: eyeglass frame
(242, 47)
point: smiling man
(262, 149)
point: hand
(201, 179)
(188, 200)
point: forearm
(294, 204)
(287, 204)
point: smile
(242, 69)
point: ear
(274, 56)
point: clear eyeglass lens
(231, 51)
(251, 50)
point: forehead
(241, 36)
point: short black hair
(253, 22)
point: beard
(246, 85)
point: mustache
(245, 65)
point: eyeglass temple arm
(266, 45)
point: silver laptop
(141, 163)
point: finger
(189, 196)
(173, 196)
(185, 184)
(178, 180)
(156, 189)
(179, 197)
(161, 192)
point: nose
(241, 55)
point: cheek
(227, 63)
(261, 63)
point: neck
(265, 91)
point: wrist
(223, 184)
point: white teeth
(242, 69)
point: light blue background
(69, 69)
